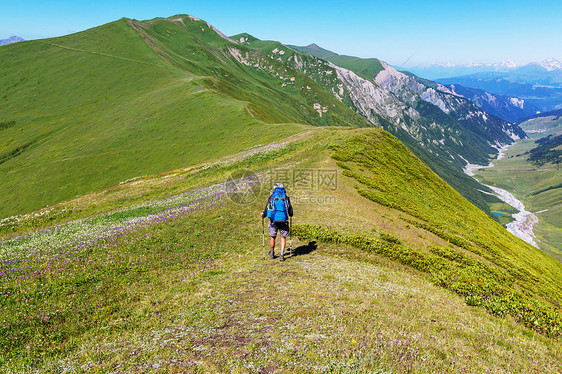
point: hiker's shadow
(305, 249)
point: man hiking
(278, 209)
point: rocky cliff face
(410, 90)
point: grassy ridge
(367, 68)
(398, 180)
(164, 273)
(161, 290)
(480, 284)
(137, 98)
(450, 171)
(132, 99)
(433, 156)
(275, 90)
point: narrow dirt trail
(99, 53)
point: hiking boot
(271, 255)
(281, 258)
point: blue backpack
(277, 210)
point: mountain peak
(314, 50)
(507, 63)
(551, 63)
(11, 39)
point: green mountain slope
(314, 50)
(549, 150)
(393, 270)
(135, 104)
(129, 98)
(367, 68)
(433, 135)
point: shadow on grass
(305, 249)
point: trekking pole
(291, 235)
(263, 238)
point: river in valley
(524, 221)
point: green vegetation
(314, 50)
(551, 116)
(394, 270)
(367, 68)
(303, 59)
(321, 76)
(166, 274)
(398, 180)
(549, 150)
(167, 93)
(133, 99)
(480, 284)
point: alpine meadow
(136, 157)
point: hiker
(278, 209)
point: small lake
(498, 214)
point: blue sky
(403, 33)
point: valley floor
(535, 188)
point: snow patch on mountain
(517, 102)
(509, 64)
(551, 64)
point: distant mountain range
(432, 101)
(532, 87)
(448, 70)
(511, 109)
(545, 96)
(12, 39)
